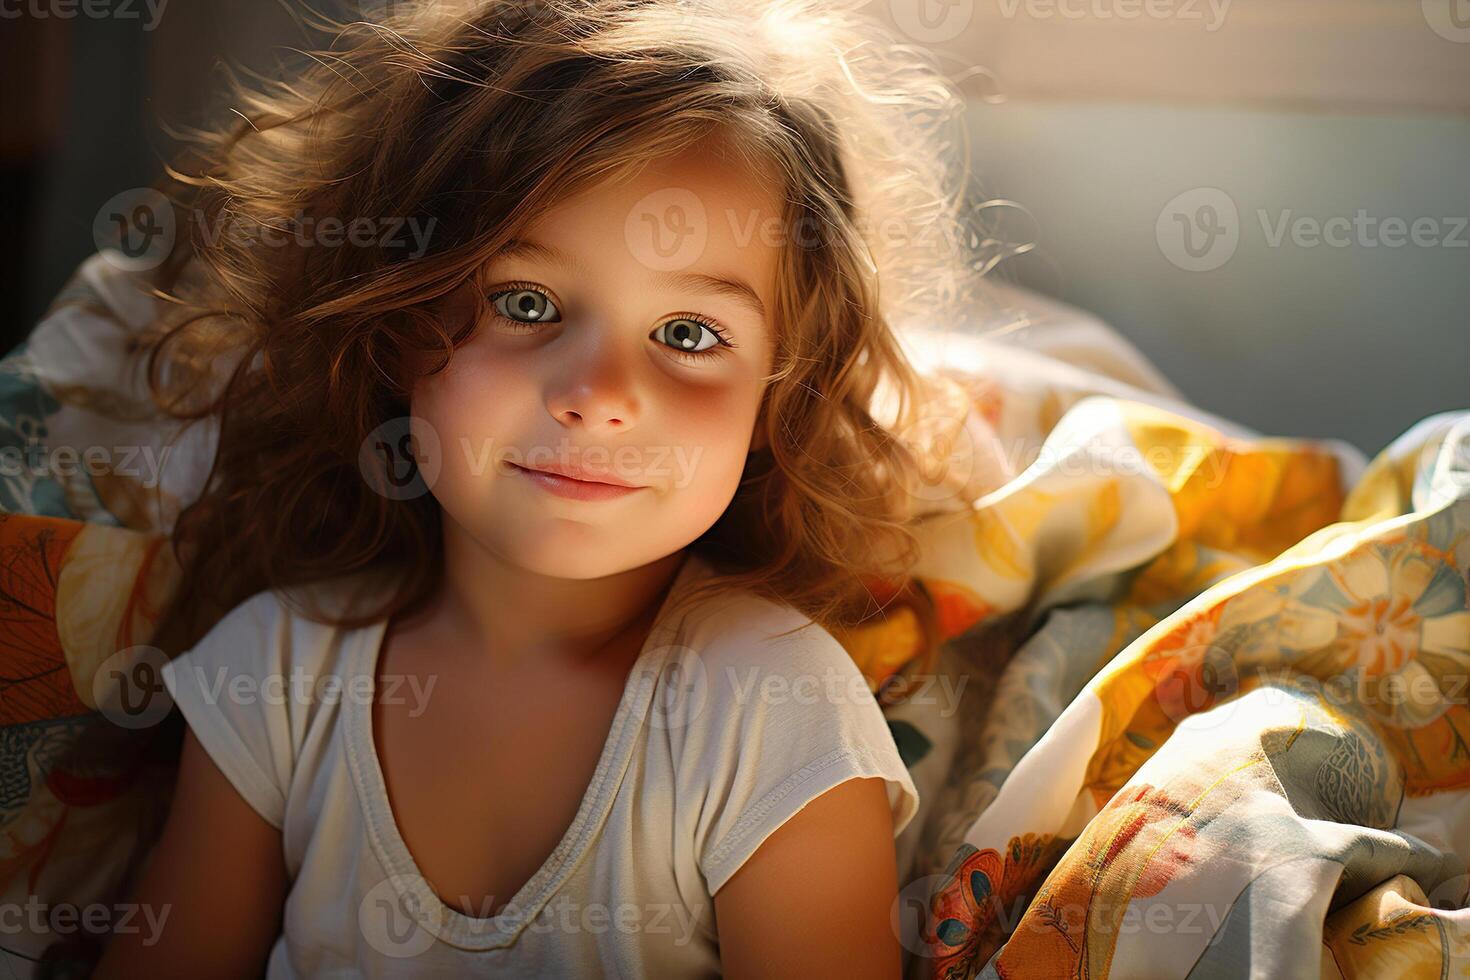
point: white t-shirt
(723, 732)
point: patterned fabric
(1200, 707)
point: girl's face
(630, 335)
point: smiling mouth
(565, 486)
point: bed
(1200, 709)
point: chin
(588, 558)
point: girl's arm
(816, 898)
(218, 876)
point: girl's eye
(683, 335)
(691, 337)
(520, 305)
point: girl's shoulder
(748, 661)
(764, 710)
(288, 629)
(742, 633)
(262, 680)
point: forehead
(702, 213)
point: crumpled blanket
(1232, 737)
(1199, 709)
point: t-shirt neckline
(414, 896)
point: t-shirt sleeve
(230, 688)
(787, 719)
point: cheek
(469, 408)
(712, 429)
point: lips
(573, 489)
(580, 475)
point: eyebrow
(730, 286)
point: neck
(512, 614)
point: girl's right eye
(525, 305)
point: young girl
(545, 344)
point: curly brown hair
(299, 353)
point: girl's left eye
(528, 305)
(682, 334)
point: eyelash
(717, 350)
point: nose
(595, 389)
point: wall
(1293, 338)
